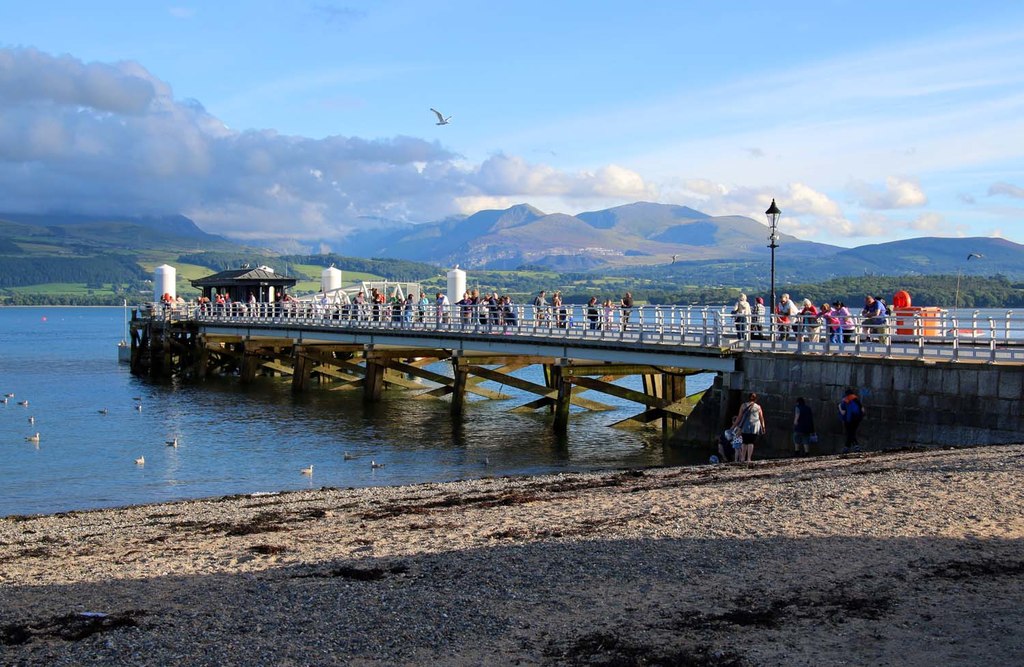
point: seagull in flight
(974, 254)
(441, 120)
(674, 258)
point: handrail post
(956, 340)
(992, 340)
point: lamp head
(773, 214)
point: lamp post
(773, 214)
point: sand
(898, 558)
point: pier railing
(932, 334)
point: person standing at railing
(560, 311)
(873, 321)
(627, 309)
(442, 305)
(741, 315)
(757, 319)
(360, 306)
(787, 312)
(424, 303)
(845, 318)
(407, 309)
(540, 308)
(609, 314)
(830, 322)
(593, 313)
(809, 324)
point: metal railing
(935, 334)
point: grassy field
(75, 289)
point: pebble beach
(890, 558)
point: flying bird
(974, 254)
(307, 471)
(441, 120)
(674, 258)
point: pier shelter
(238, 284)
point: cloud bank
(111, 139)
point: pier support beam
(461, 371)
(373, 382)
(563, 384)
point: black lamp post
(773, 214)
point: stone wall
(907, 402)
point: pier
(923, 382)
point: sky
(299, 121)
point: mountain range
(653, 240)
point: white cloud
(181, 12)
(1006, 189)
(898, 193)
(94, 138)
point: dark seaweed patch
(610, 650)
(70, 627)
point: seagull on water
(374, 464)
(23, 403)
(9, 394)
(172, 443)
(103, 411)
(307, 471)
(141, 461)
(31, 420)
(33, 438)
(441, 119)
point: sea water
(256, 438)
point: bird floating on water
(141, 461)
(31, 420)
(136, 398)
(5, 399)
(103, 411)
(172, 443)
(347, 456)
(374, 464)
(139, 407)
(307, 471)
(441, 119)
(23, 403)
(33, 438)
(9, 394)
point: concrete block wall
(907, 402)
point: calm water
(234, 439)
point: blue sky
(867, 121)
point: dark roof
(246, 276)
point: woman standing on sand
(750, 421)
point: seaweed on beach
(610, 650)
(358, 573)
(268, 549)
(959, 570)
(484, 500)
(69, 627)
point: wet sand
(900, 558)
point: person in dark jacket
(803, 428)
(851, 412)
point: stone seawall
(908, 402)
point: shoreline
(905, 557)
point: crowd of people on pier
(834, 322)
